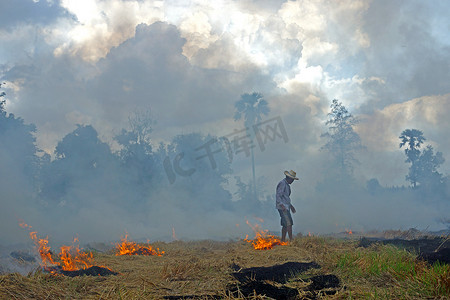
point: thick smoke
(79, 156)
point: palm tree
(413, 139)
(251, 108)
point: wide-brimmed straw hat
(291, 174)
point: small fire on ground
(263, 240)
(126, 247)
(71, 258)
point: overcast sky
(68, 62)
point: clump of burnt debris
(429, 248)
(91, 271)
(271, 281)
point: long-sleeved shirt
(282, 195)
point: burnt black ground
(321, 282)
(251, 288)
(269, 281)
(423, 245)
(92, 271)
(430, 249)
(278, 273)
(442, 256)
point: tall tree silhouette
(429, 162)
(251, 108)
(343, 141)
(424, 164)
(412, 139)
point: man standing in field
(283, 204)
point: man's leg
(283, 233)
(289, 231)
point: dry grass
(203, 268)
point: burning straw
(72, 261)
(263, 240)
(126, 247)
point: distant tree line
(85, 169)
(342, 143)
(426, 183)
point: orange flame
(131, 248)
(71, 257)
(263, 240)
(43, 248)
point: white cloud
(105, 24)
(382, 129)
(380, 133)
(197, 31)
